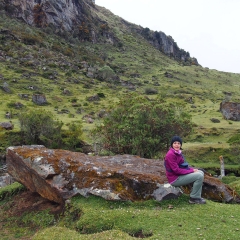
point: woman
(178, 176)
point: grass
(96, 218)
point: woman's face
(176, 145)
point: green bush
(235, 139)
(101, 95)
(72, 137)
(105, 73)
(150, 91)
(141, 127)
(229, 179)
(39, 127)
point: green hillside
(71, 73)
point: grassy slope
(206, 87)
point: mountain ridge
(80, 19)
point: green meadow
(95, 218)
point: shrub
(151, 91)
(105, 73)
(39, 127)
(141, 127)
(72, 136)
(31, 39)
(101, 95)
(235, 139)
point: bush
(235, 139)
(141, 127)
(101, 95)
(229, 179)
(72, 136)
(105, 73)
(39, 127)
(151, 91)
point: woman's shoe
(197, 201)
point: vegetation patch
(27, 215)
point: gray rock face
(230, 110)
(59, 174)
(168, 46)
(61, 13)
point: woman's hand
(195, 170)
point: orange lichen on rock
(60, 174)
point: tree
(39, 127)
(142, 127)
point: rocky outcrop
(81, 20)
(167, 45)
(63, 15)
(59, 174)
(230, 110)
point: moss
(11, 190)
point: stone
(6, 88)
(230, 110)
(215, 120)
(7, 125)
(58, 175)
(39, 99)
(93, 98)
(5, 180)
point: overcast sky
(208, 29)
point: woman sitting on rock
(179, 173)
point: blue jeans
(196, 178)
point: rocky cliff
(64, 14)
(80, 18)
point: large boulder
(60, 174)
(39, 99)
(230, 110)
(7, 125)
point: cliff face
(64, 14)
(80, 18)
(167, 45)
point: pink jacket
(172, 161)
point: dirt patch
(15, 206)
(28, 202)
